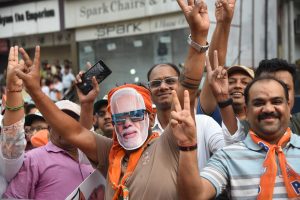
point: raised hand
(196, 15)
(92, 95)
(217, 79)
(14, 84)
(182, 123)
(224, 10)
(30, 74)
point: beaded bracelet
(14, 108)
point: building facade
(130, 36)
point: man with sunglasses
(162, 79)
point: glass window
(131, 57)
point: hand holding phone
(99, 70)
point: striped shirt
(237, 169)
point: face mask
(134, 136)
(131, 121)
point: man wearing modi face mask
(131, 121)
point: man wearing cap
(239, 77)
(52, 171)
(138, 164)
(33, 123)
(102, 118)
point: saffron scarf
(116, 155)
(267, 179)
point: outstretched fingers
(37, 57)
(176, 102)
(25, 57)
(16, 54)
(216, 60)
(208, 66)
(186, 101)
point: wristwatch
(196, 46)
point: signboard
(133, 27)
(30, 18)
(93, 187)
(83, 13)
(44, 40)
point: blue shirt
(216, 115)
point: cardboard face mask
(130, 118)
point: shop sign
(83, 13)
(29, 18)
(133, 27)
(44, 40)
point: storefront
(37, 23)
(132, 36)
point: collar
(157, 127)
(294, 141)
(50, 147)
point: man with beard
(265, 165)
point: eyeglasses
(157, 83)
(33, 129)
(135, 116)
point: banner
(92, 188)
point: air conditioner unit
(297, 25)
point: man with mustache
(265, 165)
(285, 72)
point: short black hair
(246, 92)
(275, 65)
(168, 64)
(99, 104)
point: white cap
(68, 105)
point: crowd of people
(237, 139)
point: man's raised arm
(224, 14)
(60, 122)
(196, 15)
(190, 185)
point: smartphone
(99, 70)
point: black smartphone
(99, 70)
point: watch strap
(225, 103)
(196, 46)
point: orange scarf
(267, 180)
(116, 155)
